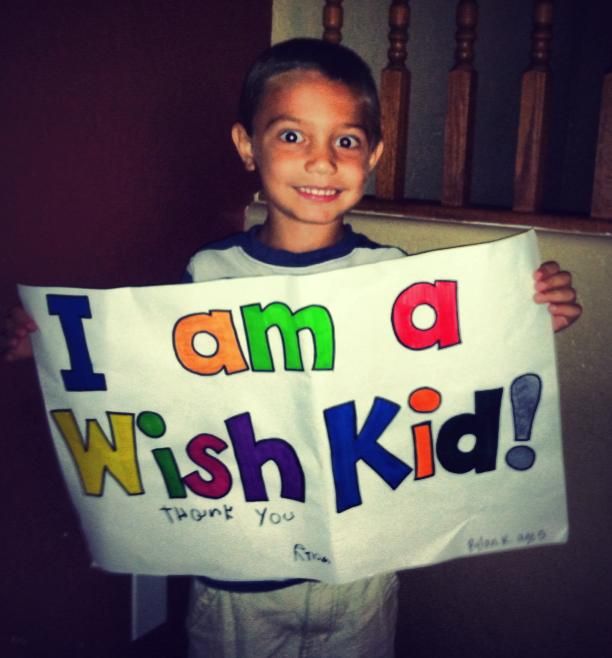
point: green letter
(316, 319)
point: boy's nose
(321, 160)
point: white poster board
(326, 426)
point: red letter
(441, 296)
(221, 481)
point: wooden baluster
(394, 101)
(458, 126)
(534, 114)
(332, 21)
(601, 205)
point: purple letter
(251, 455)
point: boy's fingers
(570, 310)
(16, 349)
(552, 281)
(560, 322)
(21, 318)
(17, 321)
(555, 295)
(547, 269)
(564, 314)
(14, 335)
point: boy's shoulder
(243, 254)
(233, 241)
(219, 254)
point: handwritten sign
(326, 426)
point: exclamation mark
(525, 396)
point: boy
(310, 125)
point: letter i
(424, 400)
(153, 425)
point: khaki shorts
(308, 619)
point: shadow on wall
(552, 601)
(549, 601)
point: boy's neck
(300, 238)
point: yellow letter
(97, 455)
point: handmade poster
(327, 426)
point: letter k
(348, 446)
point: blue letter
(71, 310)
(349, 446)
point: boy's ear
(244, 146)
(375, 155)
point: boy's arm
(15, 335)
(554, 287)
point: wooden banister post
(534, 114)
(601, 204)
(394, 103)
(458, 125)
(332, 21)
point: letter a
(219, 325)
(441, 296)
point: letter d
(483, 425)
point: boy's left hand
(554, 287)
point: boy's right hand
(15, 335)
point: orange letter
(219, 325)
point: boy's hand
(15, 335)
(554, 287)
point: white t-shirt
(243, 255)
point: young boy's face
(310, 147)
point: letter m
(316, 319)
(96, 456)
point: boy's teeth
(317, 191)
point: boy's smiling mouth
(318, 193)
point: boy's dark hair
(334, 61)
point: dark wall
(117, 164)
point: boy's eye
(348, 142)
(291, 137)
